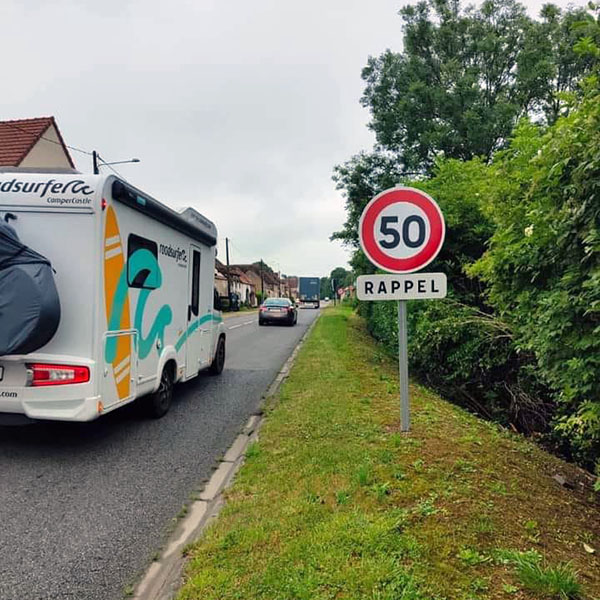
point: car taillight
(42, 374)
(263, 308)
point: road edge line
(162, 579)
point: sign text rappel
(416, 286)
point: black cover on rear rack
(29, 303)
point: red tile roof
(18, 137)
(241, 275)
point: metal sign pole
(403, 365)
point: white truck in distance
(135, 281)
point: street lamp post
(98, 161)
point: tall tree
(465, 77)
(454, 90)
(341, 276)
(548, 64)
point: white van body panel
(130, 302)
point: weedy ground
(334, 502)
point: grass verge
(335, 502)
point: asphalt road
(85, 506)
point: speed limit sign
(401, 230)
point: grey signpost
(403, 365)
(401, 231)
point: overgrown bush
(477, 364)
(518, 339)
(543, 268)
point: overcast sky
(239, 108)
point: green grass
(557, 583)
(334, 502)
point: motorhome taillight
(44, 374)
(104, 203)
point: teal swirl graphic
(144, 261)
(193, 326)
(140, 261)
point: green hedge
(518, 340)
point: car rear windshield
(277, 302)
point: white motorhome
(135, 281)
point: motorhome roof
(190, 221)
(76, 192)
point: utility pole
(262, 281)
(228, 273)
(279, 277)
(95, 162)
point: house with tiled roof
(269, 281)
(238, 281)
(220, 283)
(33, 143)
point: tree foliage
(543, 265)
(497, 116)
(466, 76)
(342, 278)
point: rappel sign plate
(417, 286)
(401, 230)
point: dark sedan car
(277, 310)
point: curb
(162, 579)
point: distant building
(33, 143)
(270, 282)
(292, 282)
(240, 284)
(220, 283)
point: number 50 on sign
(401, 230)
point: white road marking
(241, 324)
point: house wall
(247, 294)
(46, 154)
(255, 279)
(221, 285)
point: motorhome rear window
(142, 262)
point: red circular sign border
(437, 229)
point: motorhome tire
(218, 363)
(160, 401)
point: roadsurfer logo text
(41, 188)
(179, 254)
